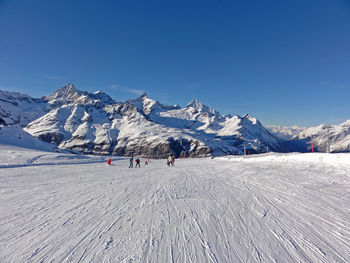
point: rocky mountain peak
(144, 95)
(140, 98)
(250, 118)
(145, 104)
(103, 97)
(66, 93)
(69, 94)
(196, 104)
(200, 107)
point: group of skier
(137, 162)
(170, 161)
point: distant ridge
(94, 123)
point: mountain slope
(14, 135)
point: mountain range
(94, 123)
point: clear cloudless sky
(284, 62)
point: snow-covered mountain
(94, 123)
(70, 95)
(339, 137)
(20, 109)
(285, 132)
(299, 138)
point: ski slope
(265, 208)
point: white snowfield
(265, 208)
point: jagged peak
(64, 93)
(69, 88)
(105, 98)
(144, 95)
(195, 103)
(69, 94)
(250, 118)
(70, 85)
(141, 97)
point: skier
(131, 162)
(109, 161)
(169, 160)
(172, 160)
(137, 162)
(146, 163)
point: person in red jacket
(137, 162)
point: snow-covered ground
(57, 207)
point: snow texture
(58, 207)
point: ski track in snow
(201, 210)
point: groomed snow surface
(57, 207)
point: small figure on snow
(131, 162)
(137, 163)
(169, 160)
(172, 160)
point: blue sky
(284, 62)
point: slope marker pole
(328, 142)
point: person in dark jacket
(131, 162)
